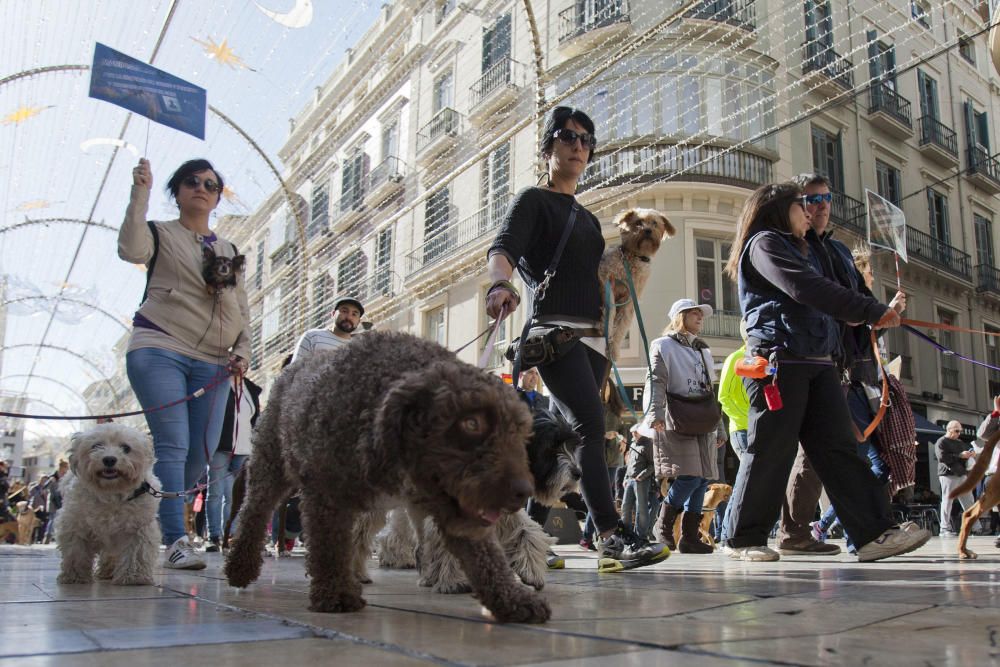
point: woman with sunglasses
(531, 231)
(185, 335)
(791, 312)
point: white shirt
(315, 340)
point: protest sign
(886, 225)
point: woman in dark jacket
(791, 312)
(528, 239)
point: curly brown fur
(989, 498)
(642, 231)
(390, 417)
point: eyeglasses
(818, 199)
(210, 185)
(801, 201)
(569, 138)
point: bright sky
(256, 70)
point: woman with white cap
(684, 416)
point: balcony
(723, 21)
(988, 279)
(349, 208)
(938, 141)
(587, 23)
(385, 180)
(826, 71)
(984, 170)
(937, 254)
(500, 85)
(450, 240)
(707, 164)
(722, 324)
(890, 111)
(848, 213)
(439, 135)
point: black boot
(663, 531)
(691, 535)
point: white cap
(689, 304)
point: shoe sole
(608, 565)
(193, 566)
(806, 552)
(557, 565)
(766, 559)
(907, 550)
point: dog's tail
(978, 470)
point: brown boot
(663, 531)
(691, 535)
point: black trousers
(815, 413)
(573, 381)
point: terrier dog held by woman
(108, 512)
(390, 420)
(26, 523)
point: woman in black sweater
(528, 238)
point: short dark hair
(187, 169)
(766, 208)
(808, 178)
(557, 119)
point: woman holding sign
(190, 332)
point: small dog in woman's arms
(108, 513)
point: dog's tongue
(491, 516)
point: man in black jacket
(952, 454)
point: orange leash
(883, 404)
(945, 327)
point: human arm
(658, 386)
(519, 231)
(135, 240)
(303, 348)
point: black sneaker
(624, 550)
(213, 545)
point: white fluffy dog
(107, 512)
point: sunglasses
(801, 201)
(569, 138)
(815, 200)
(210, 185)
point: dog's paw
(452, 587)
(364, 579)
(243, 574)
(338, 604)
(136, 580)
(523, 607)
(74, 578)
(532, 578)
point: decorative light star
(21, 115)
(222, 54)
(34, 205)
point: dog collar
(639, 257)
(143, 489)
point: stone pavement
(927, 608)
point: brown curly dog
(390, 420)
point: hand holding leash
(142, 175)
(502, 298)
(888, 320)
(898, 302)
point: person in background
(347, 314)
(953, 455)
(638, 478)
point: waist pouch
(545, 344)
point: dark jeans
(738, 439)
(688, 493)
(815, 414)
(573, 382)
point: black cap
(351, 300)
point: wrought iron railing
(933, 131)
(446, 241)
(694, 163)
(506, 72)
(848, 212)
(582, 17)
(390, 169)
(723, 324)
(987, 278)
(929, 249)
(818, 57)
(981, 162)
(445, 122)
(882, 98)
(739, 13)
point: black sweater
(531, 230)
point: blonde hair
(675, 325)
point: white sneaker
(759, 554)
(182, 556)
(895, 541)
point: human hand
(889, 320)
(898, 302)
(142, 175)
(237, 365)
(968, 454)
(659, 425)
(719, 442)
(501, 300)
(996, 403)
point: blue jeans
(688, 492)
(738, 439)
(219, 499)
(184, 436)
(635, 505)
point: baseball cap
(348, 299)
(689, 304)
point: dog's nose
(521, 490)
(109, 461)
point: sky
(54, 155)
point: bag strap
(152, 260)
(539, 294)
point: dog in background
(107, 512)
(642, 231)
(552, 459)
(26, 523)
(715, 496)
(987, 500)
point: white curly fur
(107, 464)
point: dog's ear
(623, 221)
(403, 412)
(239, 261)
(207, 253)
(74, 441)
(668, 227)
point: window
(351, 274)
(819, 24)
(258, 277)
(827, 157)
(937, 213)
(320, 217)
(496, 48)
(321, 300)
(434, 325)
(967, 48)
(949, 364)
(881, 62)
(977, 129)
(714, 288)
(444, 94)
(920, 10)
(887, 181)
(383, 263)
(984, 241)
(444, 8)
(390, 140)
(352, 184)
(495, 187)
(993, 358)
(271, 318)
(899, 344)
(256, 346)
(437, 232)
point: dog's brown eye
(473, 425)
(126, 449)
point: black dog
(220, 272)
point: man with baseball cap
(347, 312)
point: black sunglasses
(819, 199)
(210, 185)
(569, 138)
